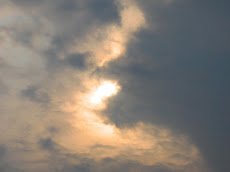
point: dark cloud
(34, 94)
(47, 144)
(7, 168)
(77, 60)
(111, 165)
(4, 165)
(132, 166)
(68, 5)
(76, 168)
(178, 76)
(28, 2)
(105, 10)
(2, 151)
(73, 61)
(3, 88)
(53, 130)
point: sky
(114, 86)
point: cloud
(28, 2)
(61, 56)
(34, 95)
(186, 74)
(104, 10)
(3, 88)
(108, 42)
(2, 151)
(47, 144)
(77, 60)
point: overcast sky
(114, 86)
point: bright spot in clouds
(143, 143)
(91, 135)
(105, 90)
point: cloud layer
(90, 86)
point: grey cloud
(2, 151)
(72, 61)
(76, 168)
(60, 22)
(111, 165)
(106, 10)
(27, 2)
(93, 13)
(52, 130)
(34, 94)
(178, 77)
(4, 165)
(25, 30)
(68, 5)
(3, 88)
(47, 144)
(8, 168)
(131, 166)
(77, 60)
(69, 18)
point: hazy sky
(114, 86)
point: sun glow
(105, 90)
(96, 137)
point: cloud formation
(61, 92)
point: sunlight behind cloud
(97, 139)
(105, 90)
(73, 99)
